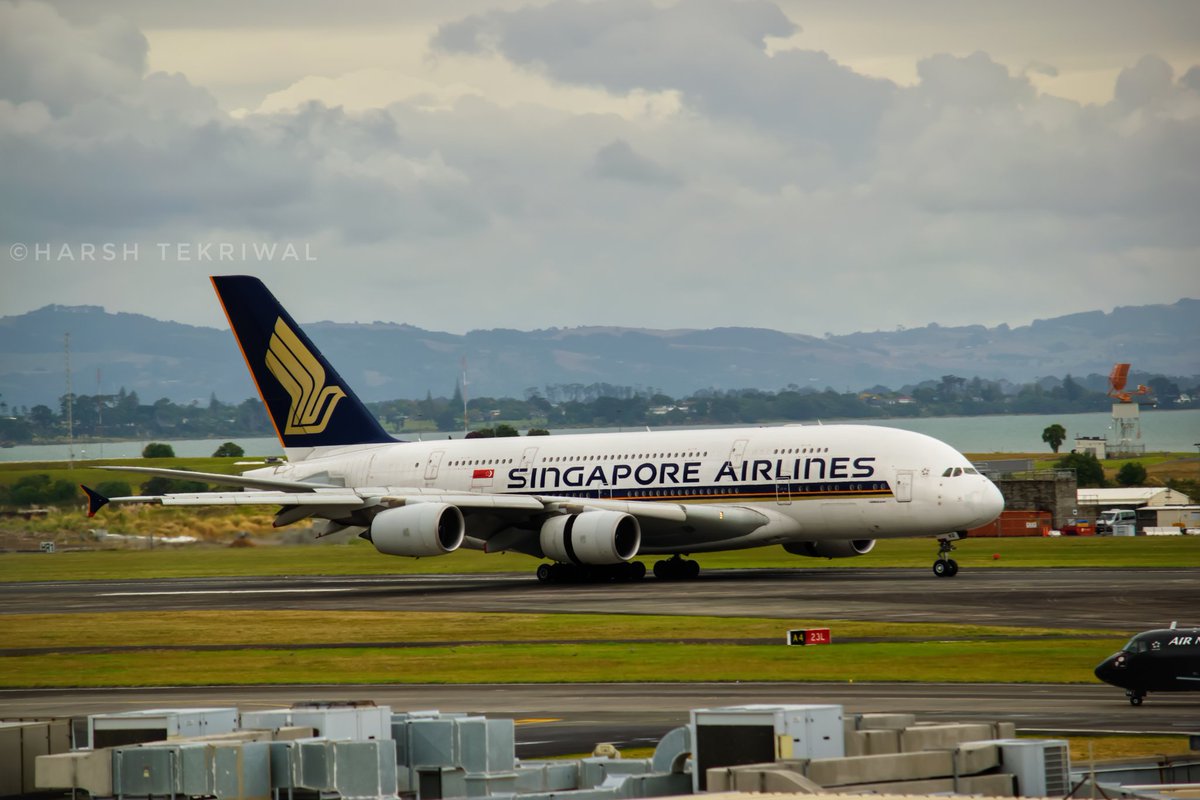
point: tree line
(123, 415)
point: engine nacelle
(421, 529)
(593, 537)
(831, 549)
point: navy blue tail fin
(309, 403)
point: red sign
(816, 636)
(810, 636)
(482, 473)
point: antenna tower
(466, 419)
(1126, 413)
(70, 403)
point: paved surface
(1124, 600)
(570, 718)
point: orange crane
(1116, 383)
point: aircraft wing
(303, 500)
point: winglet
(96, 501)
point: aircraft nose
(1109, 670)
(985, 503)
(993, 501)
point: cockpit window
(957, 471)
(970, 470)
(949, 471)
(1136, 646)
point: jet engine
(421, 529)
(593, 537)
(831, 549)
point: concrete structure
(755, 733)
(1054, 491)
(913, 759)
(1096, 445)
(429, 756)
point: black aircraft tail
(309, 403)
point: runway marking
(536, 720)
(225, 591)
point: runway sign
(809, 636)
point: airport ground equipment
(754, 734)
(21, 742)
(1041, 766)
(344, 720)
(427, 755)
(153, 725)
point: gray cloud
(788, 191)
(95, 146)
(618, 161)
(45, 59)
(713, 52)
(976, 80)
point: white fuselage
(813, 483)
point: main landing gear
(591, 573)
(1136, 696)
(676, 568)
(944, 566)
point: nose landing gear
(944, 566)
(1135, 696)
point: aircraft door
(738, 452)
(783, 494)
(431, 466)
(903, 488)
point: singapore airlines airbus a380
(587, 503)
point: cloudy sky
(807, 166)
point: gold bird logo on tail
(301, 374)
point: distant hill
(385, 361)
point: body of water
(1169, 431)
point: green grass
(175, 628)
(359, 558)
(1099, 748)
(520, 648)
(1051, 661)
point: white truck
(1117, 522)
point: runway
(1121, 600)
(564, 718)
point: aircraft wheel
(691, 569)
(941, 568)
(637, 570)
(953, 566)
(1135, 698)
(544, 573)
(661, 570)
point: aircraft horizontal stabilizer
(221, 479)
